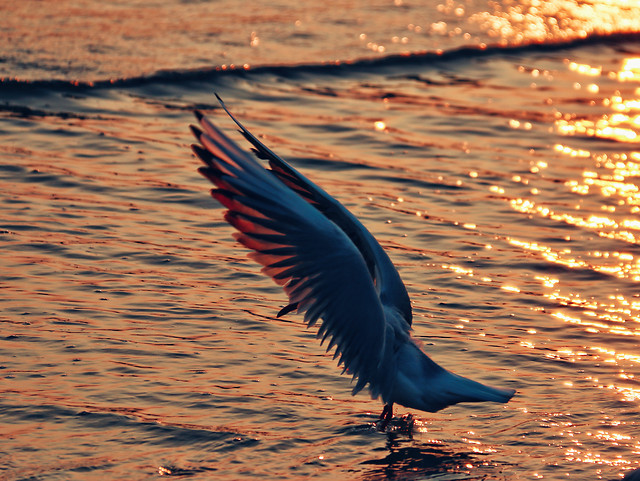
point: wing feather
(320, 268)
(385, 275)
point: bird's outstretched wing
(318, 265)
(385, 276)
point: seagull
(332, 269)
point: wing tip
(197, 133)
(203, 154)
(203, 171)
(285, 310)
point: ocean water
(493, 149)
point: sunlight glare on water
(535, 20)
(610, 178)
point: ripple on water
(135, 329)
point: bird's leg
(386, 416)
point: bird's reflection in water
(407, 458)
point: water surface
(138, 340)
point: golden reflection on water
(620, 264)
(600, 176)
(623, 124)
(611, 181)
(535, 20)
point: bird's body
(332, 269)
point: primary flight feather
(332, 269)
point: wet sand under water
(138, 340)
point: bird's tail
(460, 389)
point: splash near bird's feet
(404, 424)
